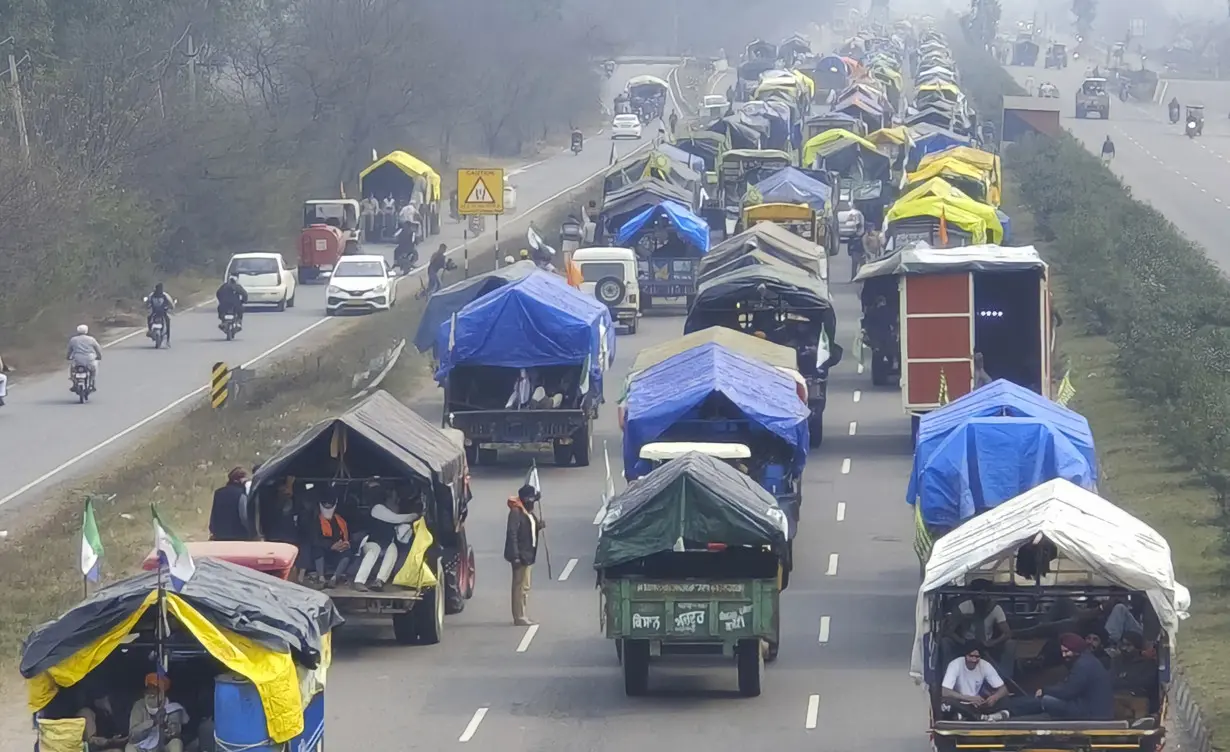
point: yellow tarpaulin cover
(983, 160)
(944, 168)
(887, 72)
(806, 80)
(815, 143)
(409, 164)
(272, 673)
(963, 214)
(61, 734)
(899, 135)
(943, 191)
(415, 573)
(940, 86)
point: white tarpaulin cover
(1087, 530)
(923, 259)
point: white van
(610, 276)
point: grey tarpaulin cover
(443, 304)
(772, 239)
(923, 259)
(778, 356)
(795, 287)
(695, 497)
(401, 433)
(278, 614)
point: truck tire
(429, 611)
(306, 275)
(456, 573)
(815, 429)
(633, 325)
(472, 454)
(879, 369)
(636, 667)
(562, 453)
(404, 628)
(582, 444)
(749, 659)
(770, 653)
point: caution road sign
(480, 192)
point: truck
(708, 585)
(331, 229)
(523, 365)
(358, 458)
(397, 174)
(1092, 96)
(944, 305)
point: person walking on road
(674, 121)
(521, 548)
(1108, 150)
(228, 518)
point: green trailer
(690, 560)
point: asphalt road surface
(841, 682)
(1183, 178)
(46, 437)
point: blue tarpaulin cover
(793, 186)
(690, 227)
(987, 461)
(667, 392)
(537, 321)
(1006, 221)
(935, 141)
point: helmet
(525, 253)
(158, 289)
(83, 329)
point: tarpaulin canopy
(655, 165)
(833, 64)
(793, 288)
(256, 625)
(617, 207)
(984, 462)
(778, 356)
(984, 161)
(406, 164)
(697, 163)
(537, 321)
(1005, 399)
(676, 388)
(1094, 534)
(970, 258)
(395, 431)
(443, 304)
(976, 218)
(792, 186)
(688, 503)
(690, 227)
(744, 130)
(773, 240)
(934, 140)
(848, 154)
(962, 174)
(897, 136)
(707, 145)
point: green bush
(1152, 292)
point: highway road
(47, 438)
(841, 682)
(1182, 178)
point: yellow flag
(943, 396)
(1066, 390)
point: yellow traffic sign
(480, 191)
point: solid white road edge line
(530, 631)
(832, 570)
(147, 420)
(845, 466)
(841, 511)
(813, 711)
(824, 629)
(853, 427)
(472, 726)
(158, 414)
(572, 563)
(858, 395)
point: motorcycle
(578, 140)
(406, 253)
(230, 325)
(1191, 129)
(1174, 116)
(82, 384)
(157, 330)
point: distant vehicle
(1093, 97)
(626, 126)
(849, 219)
(361, 283)
(266, 279)
(610, 276)
(715, 104)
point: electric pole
(19, 111)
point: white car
(849, 219)
(626, 126)
(266, 279)
(361, 283)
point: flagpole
(543, 517)
(161, 638)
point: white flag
(172, 553)
(531, 479)
(610, 481)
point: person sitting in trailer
(972, 688)
(390, 531)
(330, 546)
(144, 734)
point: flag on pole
(943, 228)
(1066, 390)
(531, 479)
(943, 396)
(609, 492)
(91, 544)
(172, 553)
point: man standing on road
(521, 548)
(4, 381)
(674, 121)
(228, 518)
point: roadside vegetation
(1147, 338)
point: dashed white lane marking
(824, 629)
(813, 712)
(860, 367)
(845, 466)
(472, 726)
(832, 570)
(841, 511)
(858, 395)
(530, 631)
(853, 427)
(572, 563)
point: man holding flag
(521, 544)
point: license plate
(157, 327)
(669, 291)
(229, 317)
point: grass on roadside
(1142, 475)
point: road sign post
(219, 385)
(480, 191)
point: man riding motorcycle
(1174, 110)
(160, 304)
(231, 298)
(84, 350)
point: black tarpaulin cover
(697, 498)
(278, 614)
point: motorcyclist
(83, 350)
(1174, 110)
(525, 255)
(435, 267)
(231, 298)
(161, 304)
(1108, 149)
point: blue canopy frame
(689, 226)
(792, 186)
